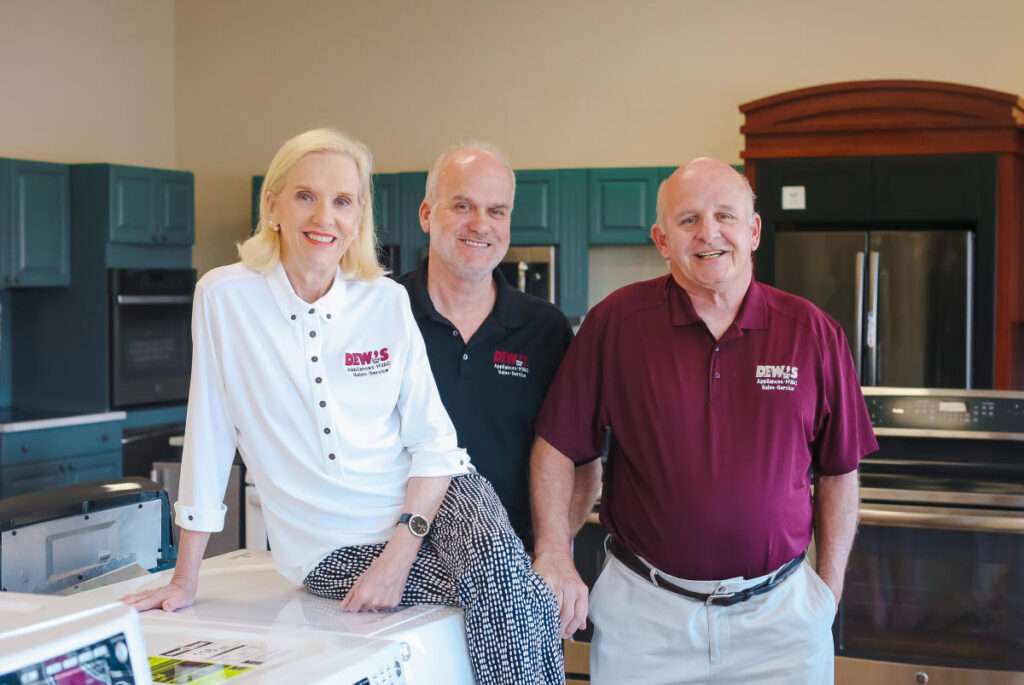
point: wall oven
(150, 336)
(532, 270)
(935, 586)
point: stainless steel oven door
(934, 591)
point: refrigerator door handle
(871, 337)
(858, 308)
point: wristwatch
(418, 525)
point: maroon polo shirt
(714, 442)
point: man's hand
(836, 586)
(382, 584)
(177, 594)
(560, 574)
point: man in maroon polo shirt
(724, 396)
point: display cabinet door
(132, 194)
(535, 214)
(622, 205)
(175, 207)
(40, 225)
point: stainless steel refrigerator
(902, 297)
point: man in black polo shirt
(493, 350)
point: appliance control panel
(105, 662)
(947, 410)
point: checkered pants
(472, 559)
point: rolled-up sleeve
(210, 434)
(427, 432)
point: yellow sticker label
(192, 672)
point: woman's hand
(181, 591)
(177, 594)
(382, 584)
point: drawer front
(54, 443)
(95, 467)
(21, 480)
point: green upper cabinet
(386, 207)
(150, 206)
(412, 240)
(34, 224)
(175, 207)
(535, 219)
(622, 205)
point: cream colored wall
(214, 87)
(557, 84)
(88, 81)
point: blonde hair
(262, 252)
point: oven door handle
(900, 517)
(154, 299)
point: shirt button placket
(318, 382)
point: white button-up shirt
(332, 406)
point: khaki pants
(644, 634)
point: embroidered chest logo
(511, 364)
(776, 377)
(372, 363)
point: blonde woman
(310, 363)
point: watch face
(419, 525)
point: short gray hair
(660, 205)
(430, 192)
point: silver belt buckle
(714, 596)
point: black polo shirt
(493, 387)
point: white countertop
(61, 421)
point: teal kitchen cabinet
(535, 219)
(138, 205)
(386, 207)
(35, 225)
(57, 473)
(621, 204)
(35, 460)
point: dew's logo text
(371, 363)
(776, 376)
(511, 364)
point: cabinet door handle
(71, 467)
(61, 467)
(105, 437)
(17, 279)
(26, 448)
(7, 280)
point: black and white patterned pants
(472, 559)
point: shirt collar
(752, 314)
(292, 307)
(508, 309)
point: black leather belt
(634, 563)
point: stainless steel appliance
(151, 335)
(903, 297)
(55, 540)
(935, 587)
(532, 270)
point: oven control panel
(941, 410)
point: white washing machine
(244, 588)
(77, 640)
